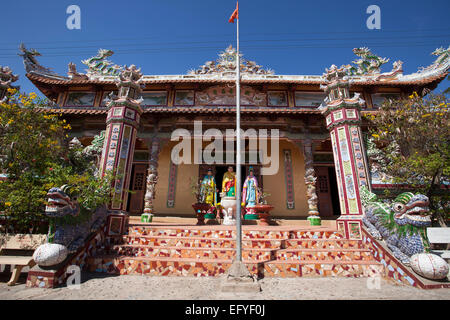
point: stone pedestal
(229, 211)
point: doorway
(327, 191)
(137, 186)
(219, 171)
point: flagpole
(238, 150)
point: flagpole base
(239, 279)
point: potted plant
(262, 208)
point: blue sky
(173, 36)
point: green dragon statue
(369, 64)
(99, 65)
(401, 224)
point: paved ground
(98, 286)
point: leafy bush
(35, 155)
(413, 139)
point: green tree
(413, 138)
(35, 156)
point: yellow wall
(274, 184)
(183, 196)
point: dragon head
(60, 204)
(105, 53)
(412, 209)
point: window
(309, 99)
(378, 98)
(154, 98)
(80, 98)
(184, 98)
(277, 98)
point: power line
(278, 47)
(231, 35)
(242, 41)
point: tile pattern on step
(209, 251)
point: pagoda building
(317, 176)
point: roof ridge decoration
(369, 64)
(30, 62)
(442, 60)
(225, 65)
(98, 65)
(6, 78)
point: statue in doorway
(208, 189)
(250, 193)
(229, 183)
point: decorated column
(342, 114)
(152, 179)
(310, 181)
(121, 127)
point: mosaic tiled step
(324, 254)
(323, 244)
(202, 242)
(230, 232)
(216, 267)
(191, 252)
(325, 268)
(247, 253)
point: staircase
(274, 251)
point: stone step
(262, 243)
(323, 244)
(202, 242)
(159, 266)
(247, 253)
(230, 232)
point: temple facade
(319, 154)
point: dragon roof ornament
(7, 77)
(98, 65)
(31, 63)
(226, 65)
(368, 64)
(442, 60)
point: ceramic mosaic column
(310, 181)
(342, 114)
(152, 179)
(121, 127)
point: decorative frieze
(172, 185)
(290, 202)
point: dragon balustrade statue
(64, 237)
(401, 224)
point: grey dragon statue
(402, 224)
(71, 236)
(30, 62)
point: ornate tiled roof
(365, 71)
(202, 109)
